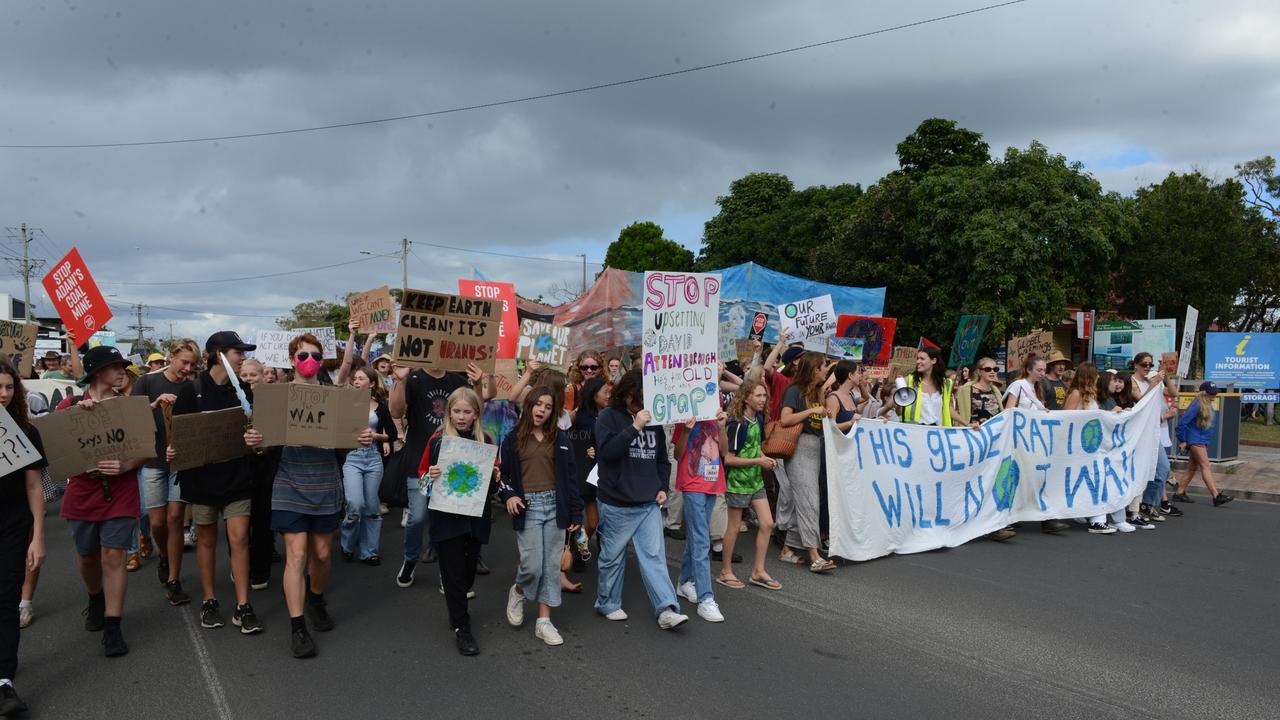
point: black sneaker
(1140, 521)
(1101, 529)
(1167, 508)
(1150, 513)
(302, 644)
(466, 642)
(246, 619)
(319, 612)
(481, 568)
(113, 644)
(162, 570)
(1053, 526)
(10, 703)
(93, 615)
(174, 594)
(405, 578)
(209, 616)
(673, 533)
(372, 561)
(717, 555)
(1181, 498)
(431, 556)
(1222, 499)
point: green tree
(1260, 177)
(1258, 307)
(764, 220)
(937, 143)
(640, 246)
(318, 313)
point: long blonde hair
(1204, 412)
(469, 396)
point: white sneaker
(1124, 527)
(688, 591)
(547, 633)
(26, 616)
(708, 610)
(1101, 529)
(404, 518)
(515, 606)
(617, 615)
(669, 619)
(189, 538)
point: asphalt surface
(1179, 622)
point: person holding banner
(980, 399)
(1083, 395)
(845, 377)
(102, 507)
(634, 472)
(1026, 392)
(802, 404)
(1195, 432)
(1145, 381)
(540, 490)
(306, 507)
(21, 533)
(934, 402)
(221, 490)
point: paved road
(1179, 622)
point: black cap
(98, 358)
(790, 354)
(1209, 387)
(226, 340)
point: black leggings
(457, 557)
(15, 535)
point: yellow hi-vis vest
(911, 413)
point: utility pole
(404, 263)
(584, 273)
(25, 267)
(138, 327)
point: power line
(238, 279)
(506, 255)
(528, 98)
(131, 305)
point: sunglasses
(588, 368)
(314, 356)
(1146, 365)
(988, 369)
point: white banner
(810, 321)
(1188, 341)
(273, 345)
(680, 346)
(897, 488)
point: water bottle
(580, 540)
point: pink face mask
(308, 367)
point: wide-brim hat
(100, 358)
(1057, 357)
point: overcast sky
(1132, 90)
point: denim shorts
(743, 500)
(159, 487)
(93, 535)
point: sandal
(789, 557)
(821, 565)
(730, 581)
(767, 583)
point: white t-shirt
(1026, 395)
(930, 408)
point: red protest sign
(76, 296)
(509, 326)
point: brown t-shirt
(538, 464)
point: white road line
(209, 673)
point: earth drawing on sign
(462, 479)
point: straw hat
(1057, 357)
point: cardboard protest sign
(969, 333)
(446, 331)
(273, 345)
(903, 359)
(758, 324)
(375, 309)
(745, 353)
(810, 321)
(18, 345)
(505, 295)
(76, 296)
(1041, 342)
(304, 415)
(845, 348)
(1169, 364)
(466, 468)
(681, 313)
(75, 439)
(728, 342)
(16, 449)
(205, 438)
(877, 340)
(543, 342)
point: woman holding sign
(306, 507)
(21, 529)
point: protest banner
(273, 345)
(375, 309)
(845, 348)
(1041, 342)
(304, 415)
(810, 321)
(1248, 359)
(1117, 342)
(905, 488)
(543, 342)
(728, 342)
(969, 333)
(877, 340)
(205, 438)
(16, 449)
(463, 486)
(75, 439)
(73, 292)
(1188, 341)
(904, 359)
(745, 353)
(447, 332)
(758, 324)
(680, 346)
(44, 395)
(505, 294)
(18, 345)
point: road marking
(208, 672)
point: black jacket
(568, 500)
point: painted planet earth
(462, 479)
(1091, 436)
(1006, 484)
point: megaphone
(903, 396)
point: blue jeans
(641, 526)
(362, 524)
(417, 524)
(1151, 494)
(541, 545)
(696, 564)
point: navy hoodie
(633, 465)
